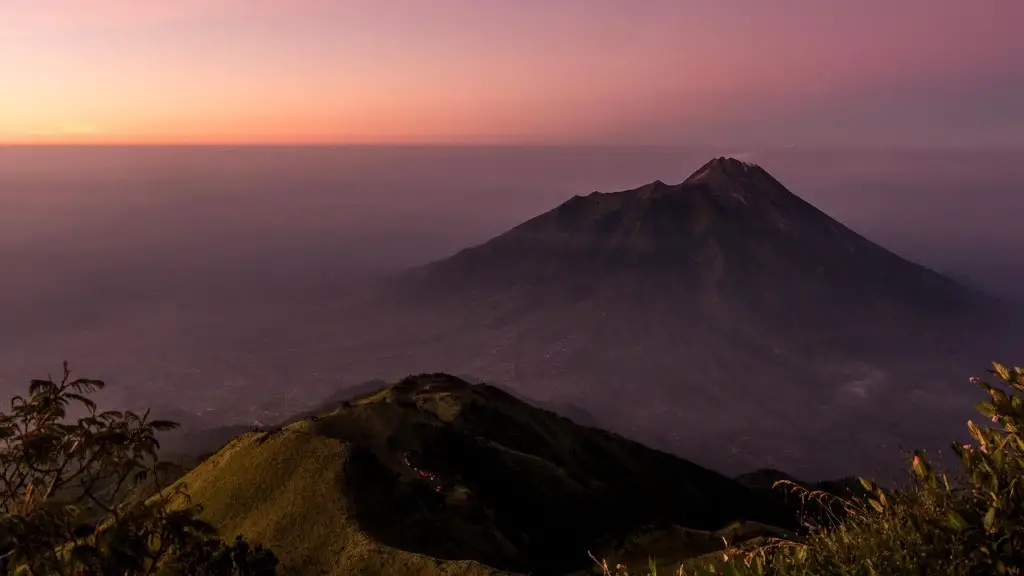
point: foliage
(971, 524)
(70, 479)
(213, 557)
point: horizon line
(485, 144)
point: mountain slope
(747, 328)
(434, 467)
(728, 233)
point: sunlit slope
(437, 476)
(286, 490)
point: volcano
(728, 240)
(722, 318)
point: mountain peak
(725, 273)
(725, 167)
(420, 471)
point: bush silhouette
(84, 495)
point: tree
(86, 495)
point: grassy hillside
(437, 476)
(964, 523)
(722, 307)
(286, 490)
(669, 546)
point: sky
(702, 72)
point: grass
(437, 476)
(664, 549)
(434, 476)
(282, 490)
(967, 524)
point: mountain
(730, 234)
(337, 400)
(351, 393)
(434, 475)
(194, 442)
(723, 318)
(819, 502)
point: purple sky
(726, 72)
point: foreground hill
(438, 476)
(747, 328)
(192, 443)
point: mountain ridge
(658, 217)
(434, 475)
(741, 324)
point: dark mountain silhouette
(434, 475)
(723, 318)
(730, 233)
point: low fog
(204, 281)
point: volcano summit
(723, 318)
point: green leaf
(990, 518)
(920, 466)
(1001, 371)
(82, 399)
(163, 425)
(87, 385)
(956, 520)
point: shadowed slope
(729, 234)
(437, 467)
(746, 327)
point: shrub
(971, 524)
(84, 495)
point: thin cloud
(67, 15)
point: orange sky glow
(533, 71)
